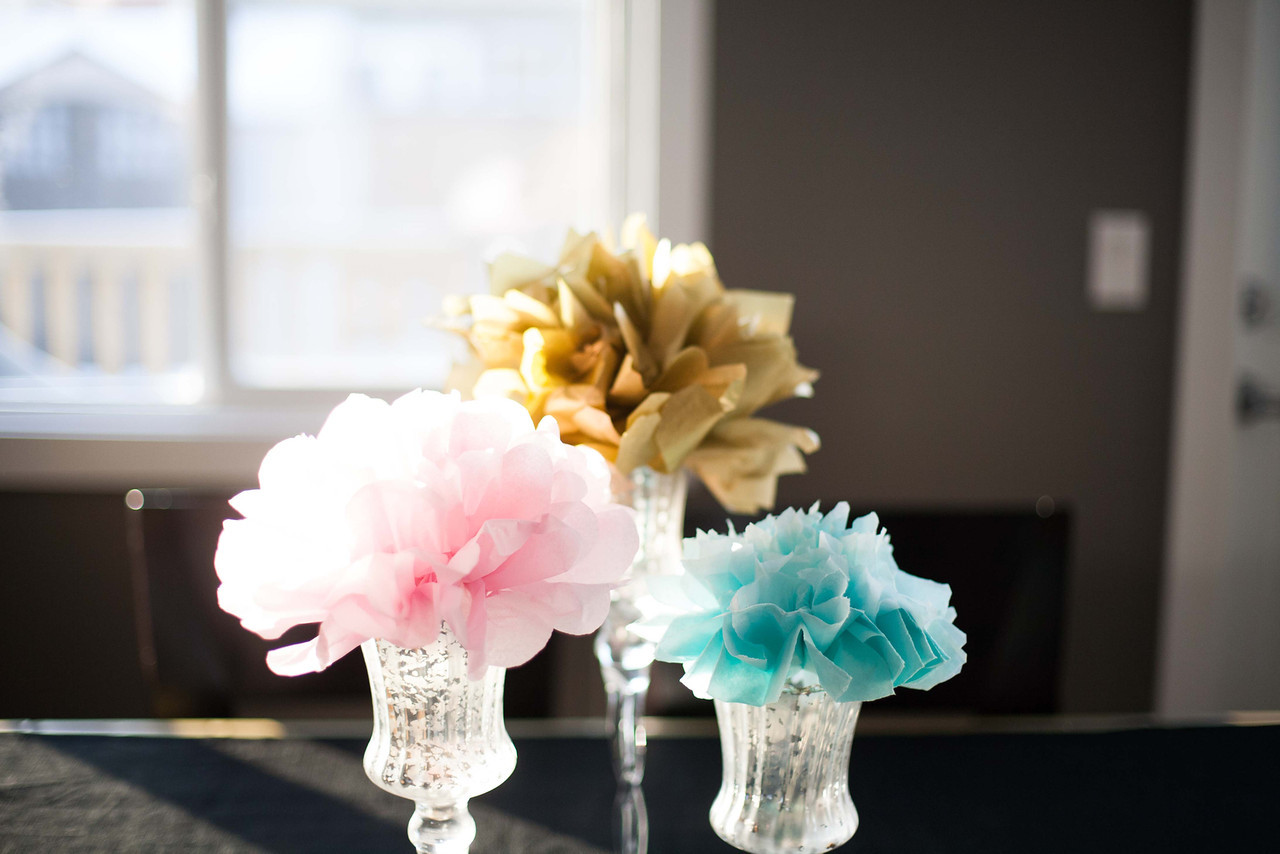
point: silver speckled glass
(785, 788)
(438, 737)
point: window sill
(159, 423)
(81, 448)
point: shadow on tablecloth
(140, 794)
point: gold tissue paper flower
(643, 355)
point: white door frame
(1194, 645)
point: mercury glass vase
(438, 737)
(625, 651)
(785, 788)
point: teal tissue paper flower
(800, 601)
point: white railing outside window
(94, 306)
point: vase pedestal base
(442, 830)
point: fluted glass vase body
(625, 651)
(438, 737)
(786, 774)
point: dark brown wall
(920, 175)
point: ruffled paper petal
(312, 655)
(609, 556)
(687, 636)
(852, 669)
(553, 546)
(741, 459)
(521, 627)
(950, 641)
(720, 674)
(800, 600)
(392, 516)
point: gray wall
(920, 175)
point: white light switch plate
(1119, 251)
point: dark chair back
(198, 659)
(1007, 570)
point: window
(235, 201)
(378, 153)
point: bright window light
(376, 155)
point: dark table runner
(1197, 789)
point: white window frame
(660, 132)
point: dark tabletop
(1203, 789)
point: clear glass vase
(785, 788)
(438, 737)
(625, 651)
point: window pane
(96, 262)
(378, 153)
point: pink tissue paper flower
(398, 518)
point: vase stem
(625, 649)
(629, 739)
(442, 829)
(631, 821)
(626, 688)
